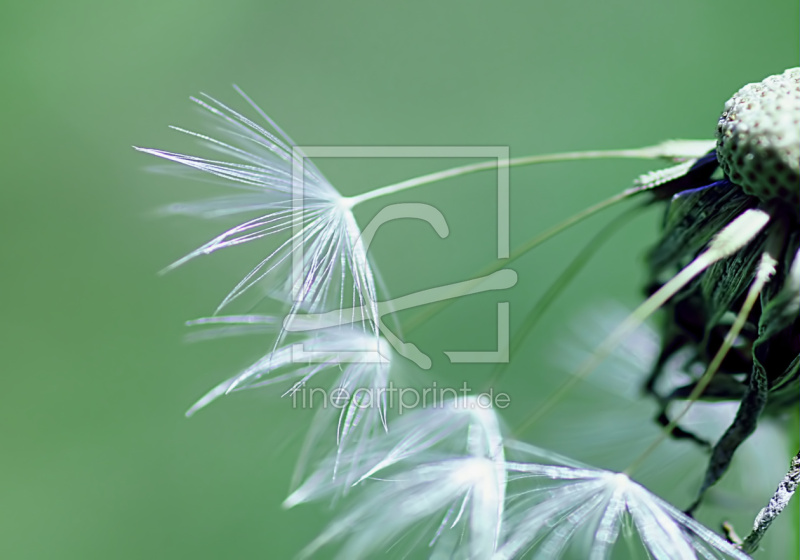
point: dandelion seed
(443, 487)
(356, 403)
(437, 481)
(556, 511)
(448, 506)
(312, 216)
(452, 427)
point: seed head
(758, 138)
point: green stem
(425, 316)
(552, 293)
(665, 150)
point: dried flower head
(737, 309)
(758, 138)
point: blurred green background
(97, 458)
